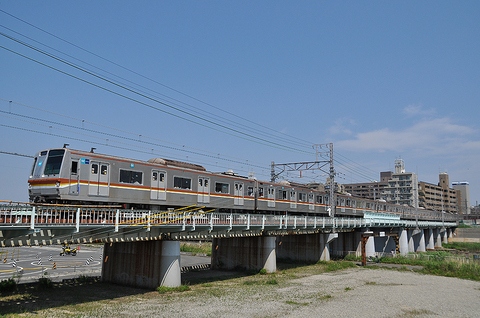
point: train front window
(54, 162)
(34, 164)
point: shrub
(263, 271)
(45, 283)
(8, 285)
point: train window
(94, 168)
(54, 162)
(301, 197)
(260, 192)
(74, 168)
(34, 163)
(222, 187)
(200, 182)
(44, 153)
(154, 176)
(182, 183)
(103, 169)
(128, 176)
(162, 177)
(326, 200)
(250, 191)
(348, 202)
(319, 199)
(206, 182)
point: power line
(15, 154)
(251, 137)
(152, 80)
(195, 109)
(207, 153)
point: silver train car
(67, 176)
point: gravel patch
(354, 292)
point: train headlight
(57, 184)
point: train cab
(46, 177)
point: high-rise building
(438, 197)
(464, 200)
(402, 187)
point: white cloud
(432, 135)
(341, 125)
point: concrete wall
(466, 235)
(255, 252)
(146, 264)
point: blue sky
(236, 85)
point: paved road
(28, 264)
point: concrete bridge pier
(429, 239)
(403, 244)
(305, 247)
(325, 240)
(144, 264)
(419, 240)
(370, 246)
(445, 236)
(255, 252)
(450, 233)
(438, 238)
(411, 241)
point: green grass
(337, 265)
(272, 281)
(290, 302)
(436, 263)
(194, 248)
(168, 290)
(325, 297)
(464, 247)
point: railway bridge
(142, 247)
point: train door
(158, 190)
(311, 202)
(271, 197)
(203, 193)
(293, 199)
(99, 179)
(74, 177)
(239, 197)
(104, 180)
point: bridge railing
(22, 215)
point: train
(67, 176)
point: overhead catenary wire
(222, 128)
(128, 138)
(123, 146)
(296, 139)
(357, 171)
(175, 101)
(175, 146)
